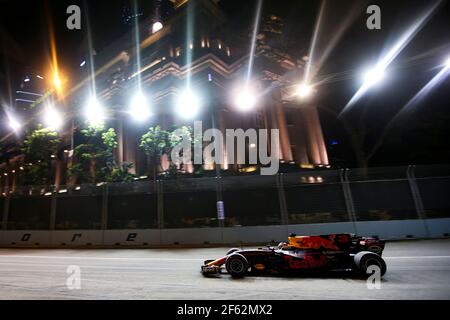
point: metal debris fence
(316, 196)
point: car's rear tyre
(231, 251)
(365, 259)
(236, 265)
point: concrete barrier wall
(26, 238)
(390, 230)
(191, 237)
(438, 227)
(137, 237)
(399, 229)
(77, 238)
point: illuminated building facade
(196, 46)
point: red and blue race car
(303, 254)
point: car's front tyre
(236, 265)
(231, 251)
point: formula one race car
(302, 254)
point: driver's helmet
(283, 245)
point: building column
(129, 147)
(120, 141)
(165, 163)
(165, 122)
(301, 151)
(2, 180)
(8, 177)
(14, 173)
(281, 125)
(2, 177)
(58, 173)
(319, 135)
(311, 137)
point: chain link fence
(316, 196)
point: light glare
(373, 76)
(156, 27)
(398, 47)
(447, 63)
(14, 124)
(57, 81)
(94, 113)
(52, 118)
(139, 108)
(304, 90)
(188, 105)
(245, 100)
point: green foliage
(121, 173)
(157, 142)
(89, 157)
(38, 147)
(113, 171)
(75, 170)
(184, 132)
(93, 131)
(110, 139)
(87, 151)
(40, 144)
(94, 159)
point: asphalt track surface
(416, 270)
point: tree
(109, 140)
(96, 156)
(89, 156)
(39, 148)
(155, 143)
(113, 172)
(179, 135)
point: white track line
(64, 266)
(98, 258)
(419, 257)
(171, 259)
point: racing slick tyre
(364, 259)
(233, 250)
(236, 265)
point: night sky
(419, 137)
